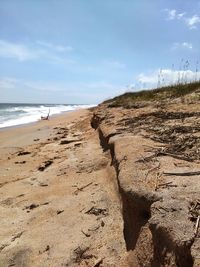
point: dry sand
(102, 187)
(58, 200)
(155, 152)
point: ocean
(16, 114)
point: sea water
(16, 114)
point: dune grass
(159, 94)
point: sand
(155, 153)
(102, 187)
(58, 197)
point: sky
(86, 51)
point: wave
(17, 114)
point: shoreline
(80, 107)
(25, 134)
(34, 122)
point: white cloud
(181, 15)
(192, 21)
(17, 51)
(148, 78)
(35, 51)
(58, 48)
(171, 14)
(187, 45)
(183, 45)
(166, 77)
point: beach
(59, 205)
(99, 133)
(107, 186)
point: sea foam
(17, 114)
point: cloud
(17, 51)
(183, 45)
(148, 78)
(58, 48)
(35, 51)
(181, 15)
(171, 14)
(186, 45)
(166, 77)
(192, 21)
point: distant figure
(45, 117)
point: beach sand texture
(58, 203)
(102, 187)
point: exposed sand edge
(158, 179)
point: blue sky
(85, 51)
